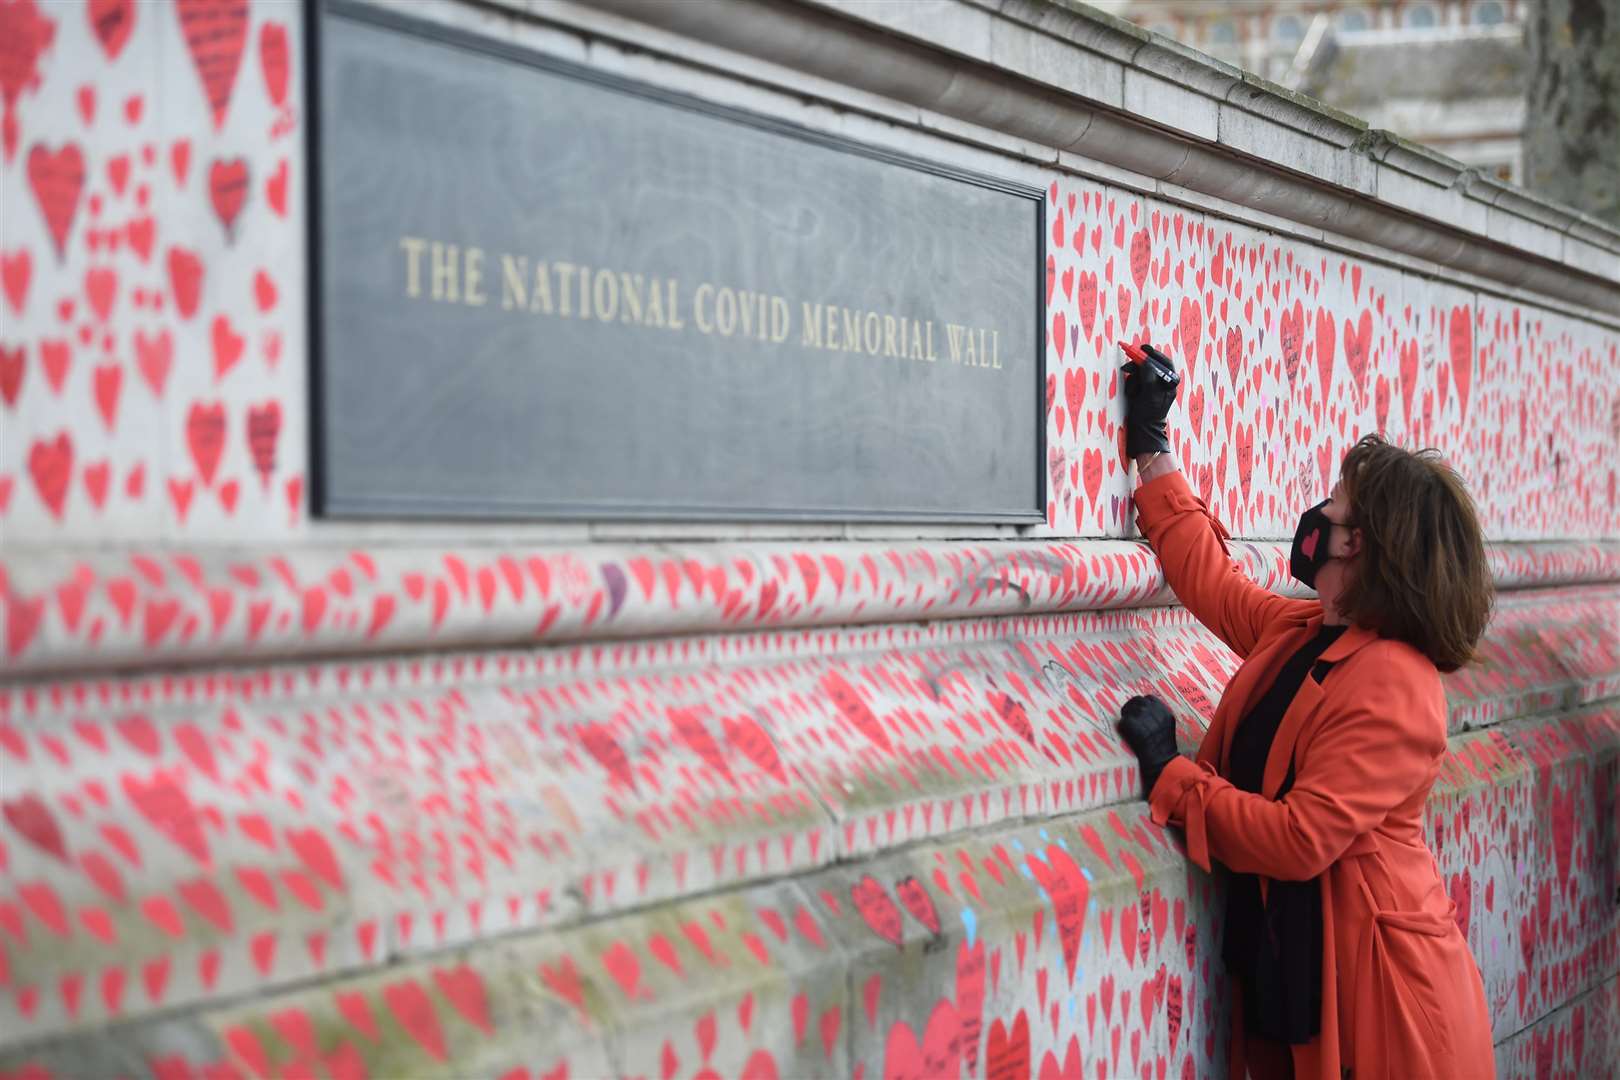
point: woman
(1310, 784)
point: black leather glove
(1149, 728)
(1150, 388)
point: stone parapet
(98, 609)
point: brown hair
(1421, 575)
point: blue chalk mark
(1087, 874)
(1018, 845)
(1044, 835)
(1042, 894)
(970, 922)
(1062, 843)
(1025, 870)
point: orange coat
(1401, 996)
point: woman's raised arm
(1191, 546)
(1190, 542)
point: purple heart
(616, 585)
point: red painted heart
(50, 463)
(185, 279)
(112, 21)
(215, 32)
(228, 190)
(205, 436)
(12, 365)
(16, 269)
(878, 908)
(263, 428)
(228, 346)
(153, 356)
(57, 179)
(273, 55)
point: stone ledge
(96, 608)
(1545, 650)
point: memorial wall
(569, 540)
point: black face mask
(1311, 542)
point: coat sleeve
(1191, 546)
(1372, 754)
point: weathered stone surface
(288, 796)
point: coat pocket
(1410, 976)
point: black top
(1275, 946)
(1251, 743)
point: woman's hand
(1149, 728)
(1150, 388)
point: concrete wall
(284, 796)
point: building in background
(1451, 74)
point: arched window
(1351, 21)
(1488, 13)
(1287, 30)
(1419, 16)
